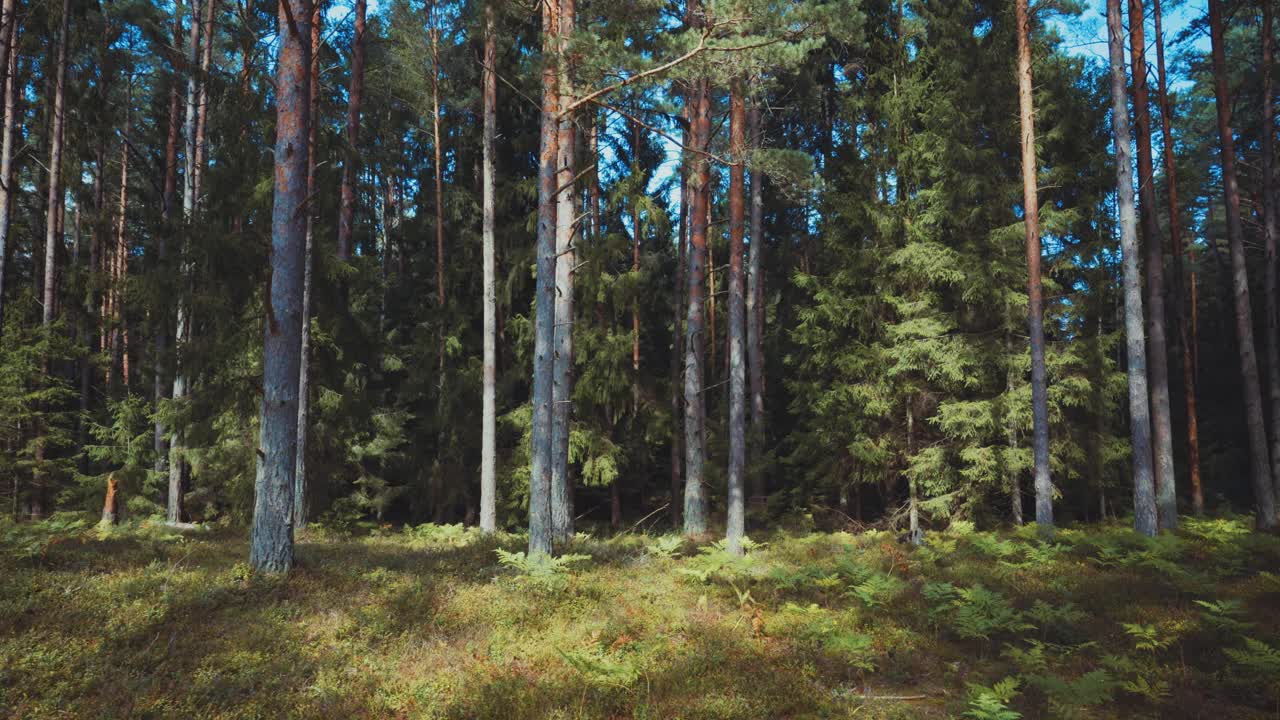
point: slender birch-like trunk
(1144, 501)
(1157, 346)
(488, 429)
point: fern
(992, 703)
(543, 572)
(878, 590)
(980, 613)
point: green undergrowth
(443, 622)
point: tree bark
(202, 101)
(1179, 294)
(178, 467)
(51, 238)
(695, 500)
(272, 542)
(540, 528)
(562, 377)
(1271, 229)
(677, 346)
(304, 371)
(755, 316)
(1035, 301)
(169, 192)
(1157, 345)
(1259, 462)
(120, 262)
(1144, 501)
(488, 430)
(736, 516)
(351, 162)
(111, 503)
(441, 322)
(9, 38)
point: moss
(427, 623)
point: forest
(639, 359)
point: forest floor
(439, 622)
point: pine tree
(272, 545)
(1144, 500)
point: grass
(431, 622)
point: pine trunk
(488, 430)
(540, 528)
(1035, 300)
(736, 517)
(1259, 462)
(272, 543)
(695, 498)
(1157, 346)
(1179, 294)
(169, 189)
(676, 504)
(202, 101)
(1144, 500)
(9, 40)
(178, 468)
(120, 263)
(441, 320)
(51, 238)
(351, 161)
(304, 374)
(562, 376)
(1271, 228)
(755, 317)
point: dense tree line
(716, 265)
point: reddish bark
(1259, 460)
(347, 207)
(1035, 300)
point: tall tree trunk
(1179, 295)
(1144, 501)
(677, 344)
(1157, 346)
(351, 160)
(120, 263)
(488, 429)
(304, 373)
(178, 467)
(562, 376)
(202, 101)
(272, 543)
(169, 193)
(737, 511)
(1035, 301)
(1260, 465)
(695, 496)
(635, 268)
(755, 315)
(9, 39)
(51, 238)
(438, 470)
(1272, 228)
(540, 527)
